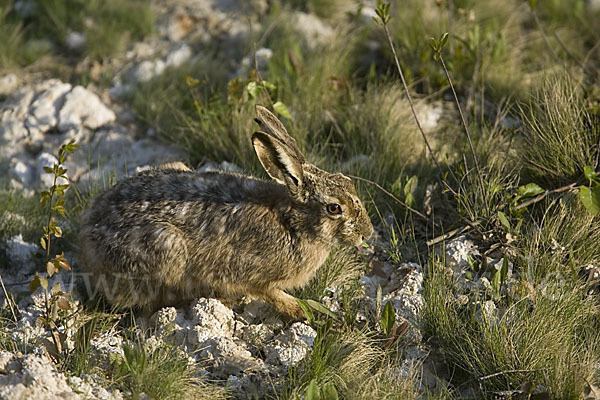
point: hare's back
(152, 213)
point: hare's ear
(280, 163)
(269, 123)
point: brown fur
(169, 234)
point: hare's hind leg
(282, 301)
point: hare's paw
(295, 312)
(284, 303)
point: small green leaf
(504, 270)
(531, 189)
(590, 197)
(34, 284)
(71, 146)
(496, 281)
(61, 262)
(310, 317)
(58, 231)
(503, 220)
(443, 40)
(51, 269)
(433, 43)
(60, 189)
(268, 85)
(411, 184)
(45, 196)
(253, 89)
(312, 391)
(315, 305)
(329, 392)
(282, 109)
(43, 282)
(48, 170)
(532, 4)
(192, 82)
(388, 318)
(383, 11)
(590, 173)
(43, 242)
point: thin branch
(566, 50)
(545, 194)
(255, 59)
(452, 233)
(597, 154)
(464, 122)
(8, 299)
(540, 166)
(412, 107)
(544, 35)
(378, 186)
(508, 371)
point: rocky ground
(246, 347)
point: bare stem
(544, 35)
(49, 237)
(8, 300)
(597, 154)
(412, 107)
(509, 371)
(452, 233)
(464, 122)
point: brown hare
(171, 234)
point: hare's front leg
(282, 301)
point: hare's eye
(334, 209)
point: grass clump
(560, 136)
(19, 214)
(349, 364)
(549, 341)
(163, 372)
(561, 244)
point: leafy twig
(542, 196)
(54, 199)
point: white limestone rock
(459, 252)
(20, 252)
(43, 113)
(178, 55)
(8, 84)
(84, 108)
(291, 346)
